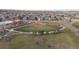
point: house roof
(5, 22)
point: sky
(39, 4)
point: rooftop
(5, 22)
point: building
(5, 24)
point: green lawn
(40, 27)
(76, 24)
(62, 40)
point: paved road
(68, 24)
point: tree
(36, 18)
(41, 32)
(0, 19)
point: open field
(40, 26)
(76, 24)
(62, 40)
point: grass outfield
(76, 24)
(39, 26)
(62, 40)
